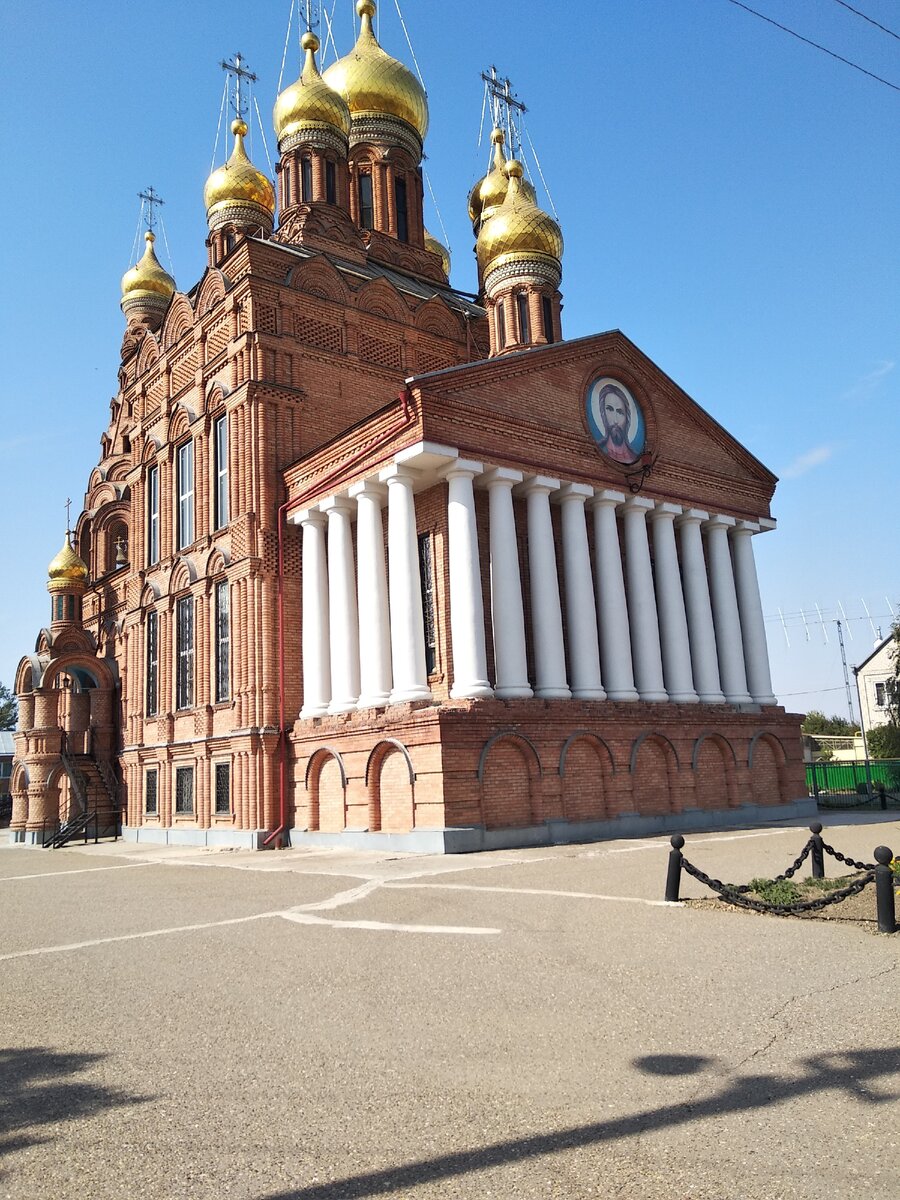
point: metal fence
(867, 783)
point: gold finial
(365, 8)
(147, 278)
(309, 42)
(498, 137)
(239, 127)
(237, 185)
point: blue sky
(728, 198)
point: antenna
(236, 70)
(152, 200)
(840, 630)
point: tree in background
(816, 722)
(9, 709)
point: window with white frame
(185, 494)
(152, 516)
(184, 653)
(221, 516)
(223, 642)
(151, 634)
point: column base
(376, 701)
(743, 698)
(628, 694)
(588, 694)
(654, 697)
(765, 700)
(313, 710)
(479, 690)
(342, 706)
(553, 693)
(684, 697)
(405, 695)
(712, 697)
(514, 692)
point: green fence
(854, 784)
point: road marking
(659, 844)
(471, 887)
(341, 898)
(304, 918)
(78, 871)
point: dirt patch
(856, 910)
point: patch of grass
(827, 885)
(776, 891)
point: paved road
(316, 1025)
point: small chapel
(370, 561)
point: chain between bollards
(673, 878)
(884, 891)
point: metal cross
(311, 9)
(68, 516)
(152, 199)
(237, 71)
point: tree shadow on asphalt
(853, 1072)
(37, 1090)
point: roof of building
(879, 647)
(7, 746)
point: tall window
(223, 789)
(184, 790)
(184, 653)
(220, 433)
(152, 646)
(286, 187)
(151, 792)
(306, 179)
(152, 516)
(426, 579)
(501, 323)
(330, 182)
(185, 494)
(366, 204)
(522, 312)
(402, 213)
(547, 309)
(223, 643)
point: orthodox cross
(68, 517)
(312, 14)
(152, 200)
(238, 72)
(504, 104)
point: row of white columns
(684, 625)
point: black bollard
(884, 891)
(817, 855)
(673, 879)
(881, 790)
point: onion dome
(373, 83)
(309, 103)
(236, 191)
(436, 247)
(490, 191)
(147, 284)
(66, 570)
(518, 231)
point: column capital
(501, 475)
(538, 483)
(745, 527)
(398, 473)
(607, 496)
(637, 504)
(767, 523)
(428, 455)
(462, 468)
(337, 504)
(576, 491)
(691, 516)
(367, 487)
(307, 516)
(665, 510)
(719, 521)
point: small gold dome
(374, 83)
(490, 191)
(518, 230)
(237, 182)
(436, 247)
(148, 278)
(309, 103)
(67, 568)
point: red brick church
(369, 561)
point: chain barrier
(794, 867)
(736, 895)
(850, 862)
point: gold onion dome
(373, 83)
(309, 103)
(148, 279)
(518, 231)
(490, 191)
(436, 247)
(67, 568)
(237, 183)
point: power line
(799, 36)
(883, 28)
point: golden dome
(490, 191)
(436, 247)
(237, 182)
(309, 102)
(67, 568)
(518, 230)
(148, 278)
(374, 83)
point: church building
(369, 561)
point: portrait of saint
(615, 420)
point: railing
(879, 873)
(868, 783)
(93, 826)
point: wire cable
(137, 234)
(537, 162)
(212, 165)
(329, 36)
(262, 132)
(799, 36)
(287, 40)
(883, 28)
(438, 211)
(162, 226)
(409, 43)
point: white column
(612, 610)
(581, 609)
(372, 601)
(407, 625)
(753, 629)
(314, 637)
(470, 679)
(645, 647)
(507, 612)
(546, 611)
(704, 658)
(673, 629)
(729, 643)
(343, 619)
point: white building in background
(875, 678)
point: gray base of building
(156, 835)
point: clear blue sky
(728, 197)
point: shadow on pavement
(852, 1072)
(37, 1089)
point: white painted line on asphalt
(303, 918)
(78, 871)
(471, 887)
(659, 844)
(341, 898)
